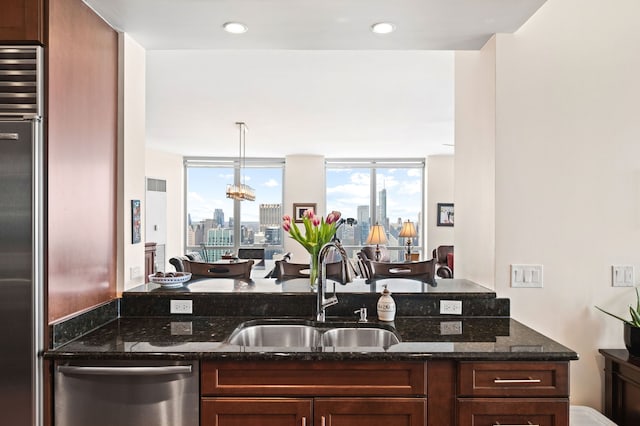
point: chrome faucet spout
(347, 270)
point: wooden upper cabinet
(22, 21)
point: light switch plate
(622, 275)
(523, 276)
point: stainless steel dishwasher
(123, 393)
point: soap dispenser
(386, 306)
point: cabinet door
(255, 412)
(513, 411)
(369, 412)
(21, 21)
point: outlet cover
(181, 307)
(449, 328)
(451, 307)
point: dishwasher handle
(125, 371)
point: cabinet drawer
(370, 411)
(253, 411)
(513, 412)
(308, 378)
(513, 379)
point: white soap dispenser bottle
(386, 306)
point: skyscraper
(270, 216)
(382, 208)
(218, 217)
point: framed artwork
(136, 225)
(445, 214)
(300, 208)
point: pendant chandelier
(241, 191)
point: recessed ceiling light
(235, 27)
(383, 28)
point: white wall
(304, 182)
(475, 164)
(131, 147)
(167, 166)
(567, 173)
(440, 184)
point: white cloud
(414, 172)
(271, 183)
(194, 196)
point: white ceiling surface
(308, 77)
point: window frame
(372, 164)
(236, 164)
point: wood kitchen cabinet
(255, 411)
(22, 22)
(321, 393)
(433, 393)
(522, 393)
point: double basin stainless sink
(287, 334)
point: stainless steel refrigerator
(21, 235)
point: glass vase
(313, 270)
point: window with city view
(397, 196)
(211, 224)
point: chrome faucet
(347, 270)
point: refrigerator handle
(125, 371)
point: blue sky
(346, 189)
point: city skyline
(347, 190)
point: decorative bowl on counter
(171, 281)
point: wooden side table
(149, 260)
(621, 387)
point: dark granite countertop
(203, 285)
(421, 338)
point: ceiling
(308, 77)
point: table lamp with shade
(408, 231)
(377, 236)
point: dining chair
(288, 270)
(237, 270)
(423, 270)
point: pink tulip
(316, 221)
(286, 218)
(332, 217)
(309, 214)
(286, 226)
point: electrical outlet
(181, 307)
(448, 328)
(134, 272)
(451, 307)
(181, 328)
(622, 275)
(526, 276)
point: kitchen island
(481, 367)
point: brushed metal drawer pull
(498, 380)
(9, 136)
(323, 421)
(304, 421)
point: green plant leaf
(617, 317)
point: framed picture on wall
(300, 208)
(136, 224)
(445, 214)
